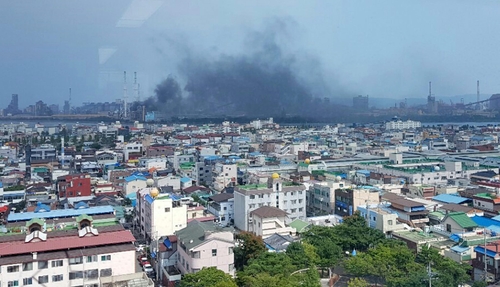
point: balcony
(172, 273)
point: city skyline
(385, 50)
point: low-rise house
(204, 244)
(268, 220)
(278, 242)
(381, 218)
(410, 212)
(221, 205)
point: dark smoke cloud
(265, 81)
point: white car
(147, 268)
(140, 248)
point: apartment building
(204, 244)
(224, 175)
(348, 200)
(321, 196)
(74, 185)
(221, 205)
(45, 254)
(291, 199)
(159, 214)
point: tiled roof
(268, 211)
(221, 197)
(462, 219)
(65, 243)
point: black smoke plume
(266, 81)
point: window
(389, 222)
(77, 260)
(91, 258)
(252, 196)
(167, 209)
(105, 257)
(43, 264)
(230, 250)
(43, 279)
(27, 281)
(12, 283)
(12, 269)
(92, 274)
(106, 272)
(231, 267)
(57, 263)
(57, 278)
(28, 266)
(214, 252)
(75, 275)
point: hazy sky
(386, 48)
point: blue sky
(388, 49)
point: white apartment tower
(291, 199)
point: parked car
(140, 248)
(148, 268)
(144, 263)
(142, 258)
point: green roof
(462, 219)
(299, 225)
(194, 233)
(437, 214)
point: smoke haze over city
(260, 57)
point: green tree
(208, 277)
(297, 253)
(357, 282)
(249, 247)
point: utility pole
(429, 273)
(485, 259)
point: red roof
(202, 219)
(63, 243)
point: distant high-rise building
(13, 107)
(66, 108)
(360, 103)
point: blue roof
(449, 198)
(175, 197)
(480, 249)
(496, 218)
(134, 177)
(81, 204)
(459, 249)
(185, 179)
(40, 207)
(455, 237)
(494, 228)
(1, 184)
(167, 243)
(149, 199)
(364, 172)
(255, 153)
(26, 216)
(485, 222)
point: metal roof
(65, 243)
(26, 216)
(448, 198)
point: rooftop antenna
(430, 89)
(136, 88)
(125, 94)
(69, 96)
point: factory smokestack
(125, 94)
